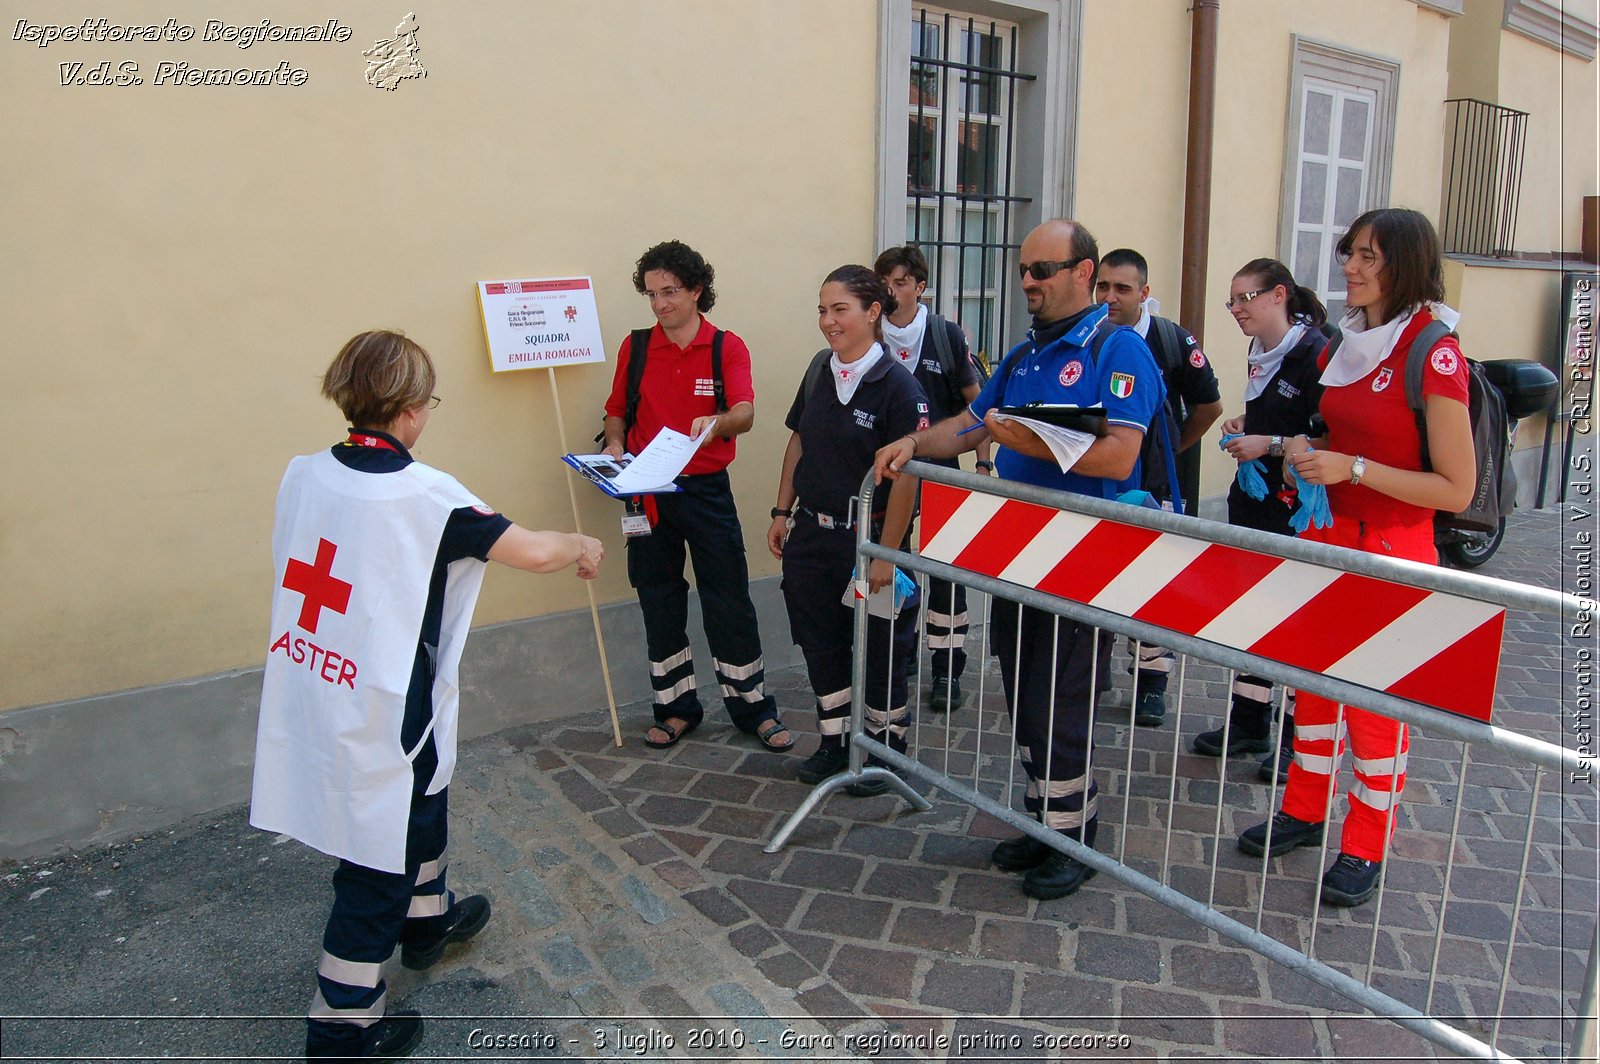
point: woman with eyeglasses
(854, 400)
(377, 562)
(1387, 469)
(1283, 321)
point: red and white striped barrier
(1438, 649)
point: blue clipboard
(599, 469)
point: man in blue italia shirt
(1072, 354)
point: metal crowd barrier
(1530, 751)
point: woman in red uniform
(1383, 493)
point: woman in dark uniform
(853, 401)
(1283, 321)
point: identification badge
(634, 521)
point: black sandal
(770, 727)
(673, 734)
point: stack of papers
(650, 473)
(1067, 430)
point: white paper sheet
(661, 462)
(1068, 445)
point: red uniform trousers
(1379, 744)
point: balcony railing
(1484, 143)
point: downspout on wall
(1197, 173)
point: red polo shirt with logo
(676, 389)
(1372, 418)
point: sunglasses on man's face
(1043, 271)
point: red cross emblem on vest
(317, 583)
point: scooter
(1528, 388)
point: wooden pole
(594, 609)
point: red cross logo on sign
(317, 583)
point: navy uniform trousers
(1053, 737)
(946, 622)
(703, 520)
(372, 912)
(818, 564)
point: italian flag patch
(1122, 385)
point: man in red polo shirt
(678, 391)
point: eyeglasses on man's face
(1043, 271)
(1244, 297)
(663, 293)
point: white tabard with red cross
(353, 553)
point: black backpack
(947, 360)
(1494, 491)
(638, 344)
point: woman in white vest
(377, 563)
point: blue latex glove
(1252, 473)
(1313, 509)
(1141, 498)
(903, 587)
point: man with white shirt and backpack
(935, 350)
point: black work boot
(465, 919)
(1249, 730)
(1350, 880)
(1056, 877)
(1020, 854)
(1287, 834)
(827, 761)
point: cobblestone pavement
(637, 916)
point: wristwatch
(778, 511)
(1275, 447)
(1358, 469)
(985, 464)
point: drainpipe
(1197, 176)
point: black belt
(843, 522)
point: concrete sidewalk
(636, 915)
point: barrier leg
(1584, 1047)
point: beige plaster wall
(1559, 165)
(1475, 51)
(1485, 291)
(1132, 133)
(184, 261)
(1559, 93)
(1486, 332)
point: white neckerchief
(847, 377)
(906, 342)
(1263, 364)
(1142, 326)
(1362, 348)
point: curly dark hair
(683, 262)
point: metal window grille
(960, 202)
(1485, 144)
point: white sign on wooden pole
(540, 323)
